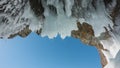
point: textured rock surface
(23, 33)
(86, 34)
(49, 17)
(37, 7)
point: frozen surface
(114, 62)
(16, 16)
(62, 23)
(58, 20)
(59, 17)
(113, 46)
(11, 20)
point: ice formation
(53, 17)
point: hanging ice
(95, 22)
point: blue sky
(37, 52)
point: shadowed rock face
(23, 33)
(107, 2)
(116, 12)
(37, 7)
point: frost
(61, 24)
(58, 28)
(60, 17)
(68, 7)
(113, 46)
(34, 22)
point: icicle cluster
(53, 17)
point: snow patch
(113, 46)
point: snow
(114, 62)
(85, 3)
(12, 24)
(63, 22)
(68, 7)
(59, 23)
(16, 23)
(58, 28)
(113, 46)
(3, 1)
(34, 22)
(98, 18)
(93, 17)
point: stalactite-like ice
(55, 17)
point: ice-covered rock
(95, 22)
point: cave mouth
(38, 52)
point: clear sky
(37, 52)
